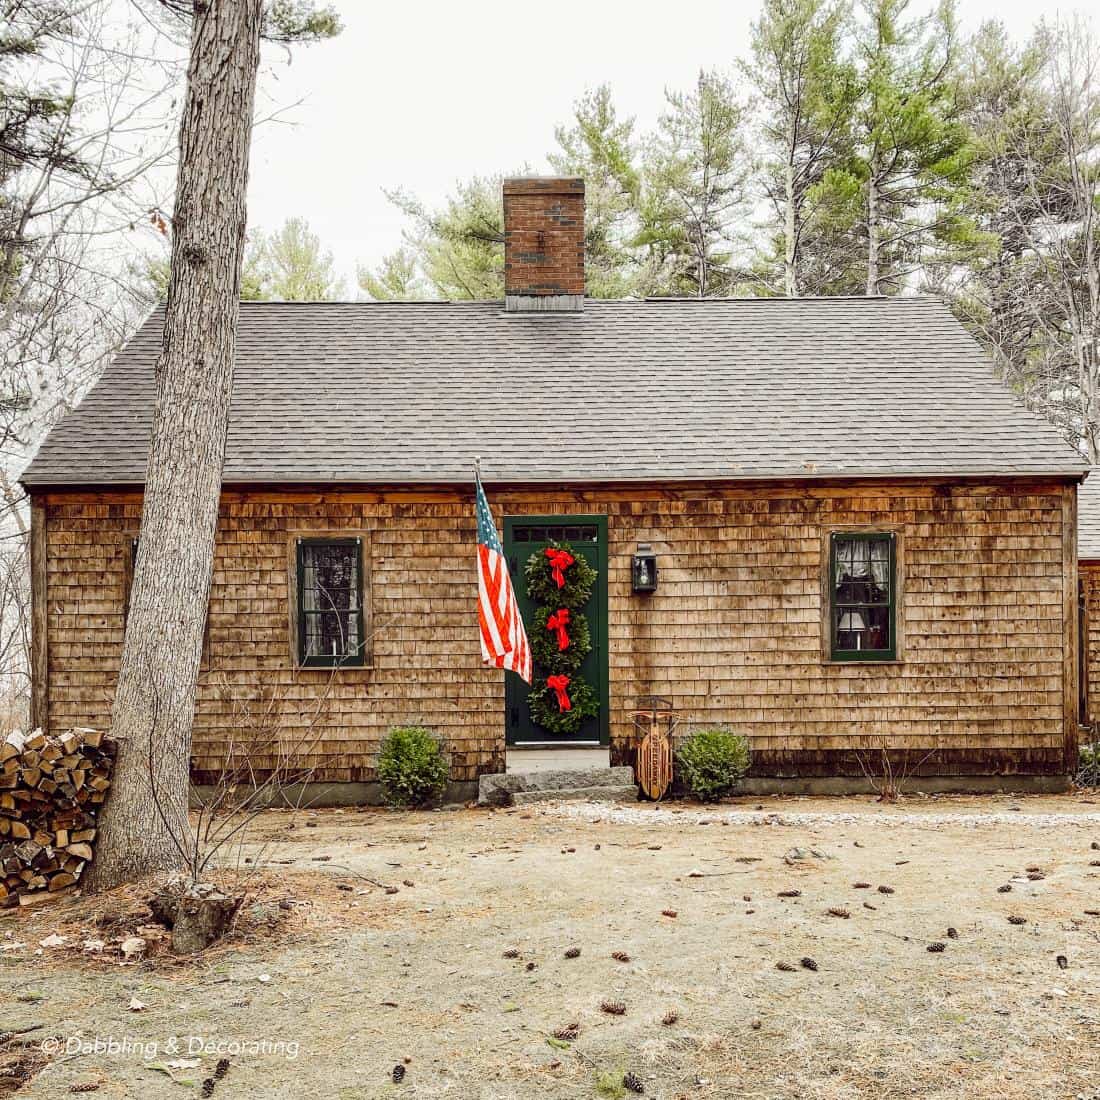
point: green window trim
(861, 607)
(347, 621)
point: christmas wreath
(561, 584)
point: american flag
(503, 639)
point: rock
(133, 947)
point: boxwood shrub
(412, 767)
(710, 763)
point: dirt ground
(329, 991)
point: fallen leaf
(136, 1006)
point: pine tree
(599, 147)
(910, 145)
(984, 267)
(459, 248)
(696, 198)
(294, 267)
(806, 93)
(397, 278)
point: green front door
(587, 535)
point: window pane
(330, 599)
(862, 618)
(862, 628)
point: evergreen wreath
(544, 643)
(578, 580)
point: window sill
(862, 662)
(328, 669)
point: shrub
(712, 762)
(1088, 771)
(411, 766)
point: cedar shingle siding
(733, 634)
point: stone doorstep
(492, 787)
(577, 794)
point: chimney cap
(526, 185)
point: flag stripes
(503, 637)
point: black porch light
(643, 573)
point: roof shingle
(655, 390)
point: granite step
(577, 794)
(501, 789)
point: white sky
(422, 94)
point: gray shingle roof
(746, 388)
(1088, 517)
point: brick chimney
(543, 244)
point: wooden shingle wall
(1090, 584)
(732, 635)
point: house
(1088, 562)
(853, 538)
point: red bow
(559, 621)
(559, 560)
(559, 684)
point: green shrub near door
(710, 763)
(412, 767)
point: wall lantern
(643, 574)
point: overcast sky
(421, 94)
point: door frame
(599, 594)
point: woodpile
(51, 788)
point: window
(863, 590)
(330, 602)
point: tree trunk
(144, 824)
(790, 273)
(872, 230)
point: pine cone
(87, 1086)
(613, 1008)
(789, 894)
(670, 1018)
(937, 947)
(861, 886)
(786, 966)
(839, 911)
(633, 1082)
(568, 1033)
(511, 953)
(952, 933)
(1017, 920)
(885, 889)
(572, 952)
(808, 963)
(221, 1069)
(208, 1087)
(1006, 889)
(669, 913)
(620, 956)
(398, 1074)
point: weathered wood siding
(1090, 586)
(733, 635)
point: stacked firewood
(51, 788)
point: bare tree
(1032, 291)
(144, 825)
(163, 642)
